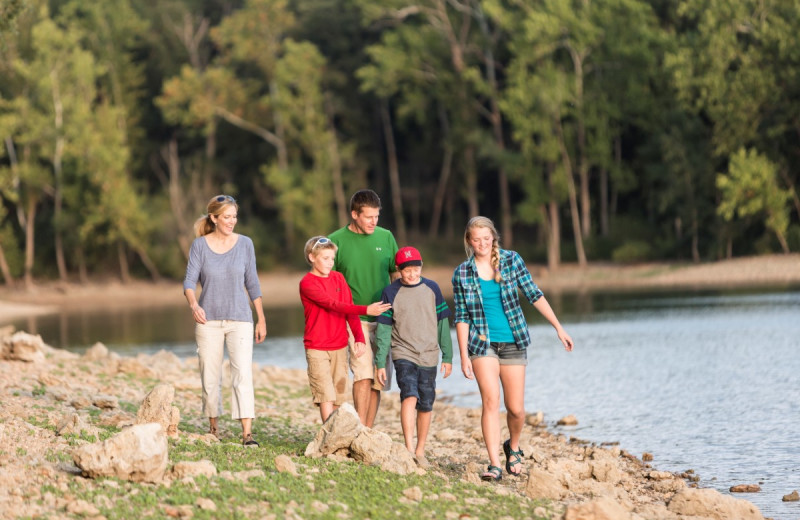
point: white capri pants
(212, 337)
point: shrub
(633, 251)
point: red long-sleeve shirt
(328, 308)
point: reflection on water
(704, 380)
(77, 329)
(131, 328)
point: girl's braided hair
(484, 222)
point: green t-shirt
(365, 261)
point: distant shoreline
(280, 286)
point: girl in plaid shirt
(493, 335)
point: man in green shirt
(366, 259)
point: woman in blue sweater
(224, 263)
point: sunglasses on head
(223, 198)
(321, 241)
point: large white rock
(343, 433)
(601, 509)
(157, 408)
(543, 484)
(371, 446)
(339, 431)
(713, 504)
(96, 352)
(22, 346)
(193, 468)
(138, 453)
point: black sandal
(517, 455)
(493, 473)
(249, 441)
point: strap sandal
(512, 458)
(249, 441)
(492, 474)
(213, 431)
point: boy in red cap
(415, 328)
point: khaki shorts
(327, 375)
(364, 367)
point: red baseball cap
(407, 256)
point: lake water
(708, 381)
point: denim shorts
(416, 381)
(507, 353)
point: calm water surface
(703, 381)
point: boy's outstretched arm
(446, 344)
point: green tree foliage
(9, 11)
(589, 129)
(62, 146)
(750, 188)
(266, 84)
(733, 67)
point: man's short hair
(364, 199)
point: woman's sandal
(517, 455)
(493, 473)
(249, 441)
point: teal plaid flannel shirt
(469, 300)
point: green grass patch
(128, 407)
(41, 423)
(324, 489)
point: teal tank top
(499, 328)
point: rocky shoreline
(58, 405)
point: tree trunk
(604, 202)
(695, 225)
(124, 268)
(496, 118)
(792, 190)
(394, 173)
(441, 191)
(30, 217)
(4, 269)
(444, 175)
(83, 274)
(176, 194)
(449, 202)
(782, 240)
(573, 198)
(342, 209)
(553, 227)
(149, 265)
(58, 154)
(12, 160)
(695, 237)
(553, 236)
(470, 171)
(583, 161)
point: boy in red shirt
(329, 309)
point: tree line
(621, 130)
